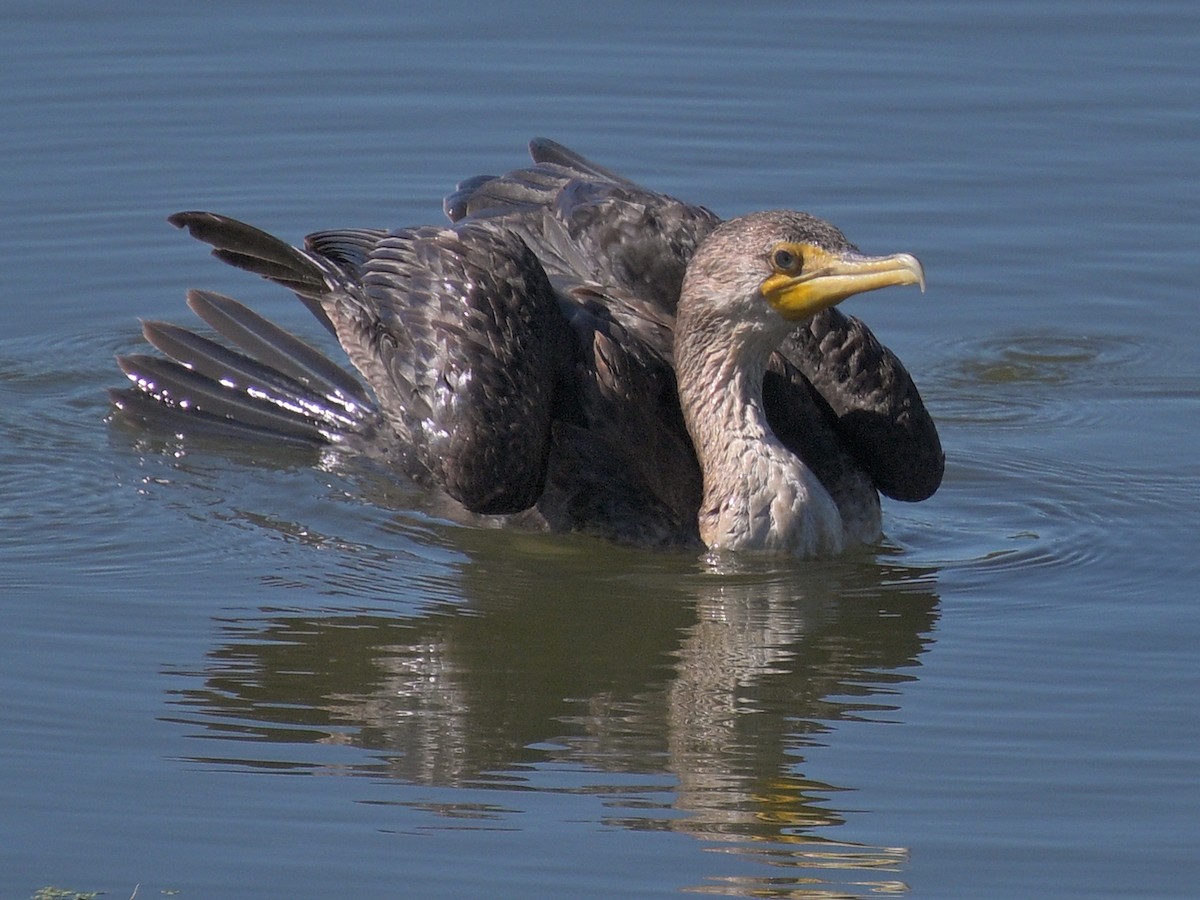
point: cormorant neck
(757, 494)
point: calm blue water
(230, 672)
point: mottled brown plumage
(535, 356)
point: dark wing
(456, 330)
(640, 458)
(466, 326)
(874, 404)
(588, 224)
(273, 387)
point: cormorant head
(773, 269)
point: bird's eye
(785, 260)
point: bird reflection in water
(688, 702)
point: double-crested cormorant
(579, 350)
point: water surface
(242, 671)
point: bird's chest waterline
(774, 505)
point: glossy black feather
(877, 410)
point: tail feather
(266, 384)
(178, 387)
(274, 347)
(237, 372)
(254, 250)
(279, 389)
(152, 414)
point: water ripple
(1047, 471)
(1027, 511)
(1014, 381)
